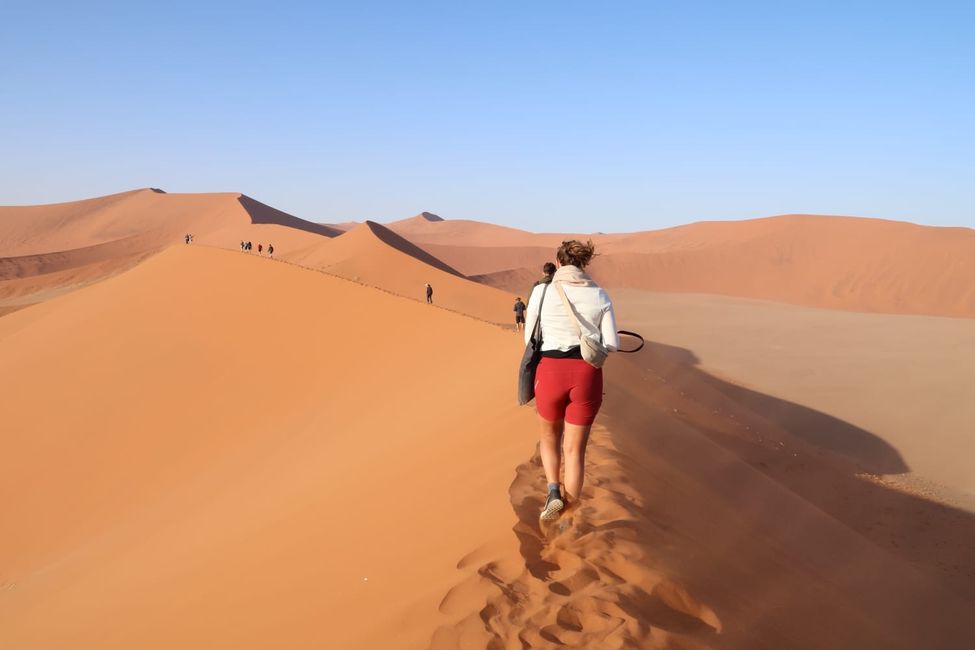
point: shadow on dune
(265, 214)
(802, 524)
(871, 454)
(830, 463)
(719, 517)
(403, 245)
(24, 266)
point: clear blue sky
(562, 115)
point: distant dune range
(49, 249)
(845, 263)
(204, 448)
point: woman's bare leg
(550, 448)
(574, 442)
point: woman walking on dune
(568, 389)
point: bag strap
(568, 308)
(537, 329)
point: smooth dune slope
(374, 255)
(836, 262)
(910, 380)
(464, 232)
(694, 535)
(47, 250)
(203, 452)
(848, 263)
(157, 216)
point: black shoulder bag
(530, 359)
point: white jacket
(592, 305)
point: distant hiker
(242, 245)
(270, 251)
(187, 239)
(429, 294)
(519, 315)
(191, 238)
(569, 389)
(247, 246)
(548, 270)
(260, 248)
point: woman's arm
(531, 314)
(611, 339)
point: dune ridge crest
(374, 255)
(52, 249)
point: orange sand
(373, 255)
(209, 449)
(48, 250)
(835, 262)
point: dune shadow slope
(265, 214)
(717, 517)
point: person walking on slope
(568, 390)
(270, 251)
(260, 249)
(429, 294)
(519, 315)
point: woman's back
(589, 301)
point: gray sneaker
(553, 506)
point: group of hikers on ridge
(247, 246)
(568, 388)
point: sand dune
(211, 449)
(231, 463)
(50, 249)
(464, 232)
(152, 215)
(35, 278)
(835, 262)
(376, 256)
(847, 263)
(683, 542)
(217, 473)
(908, 379)
(483, 260)
(457, 232)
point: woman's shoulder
(603, 297)
(537, 292)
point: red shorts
(568, 389)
